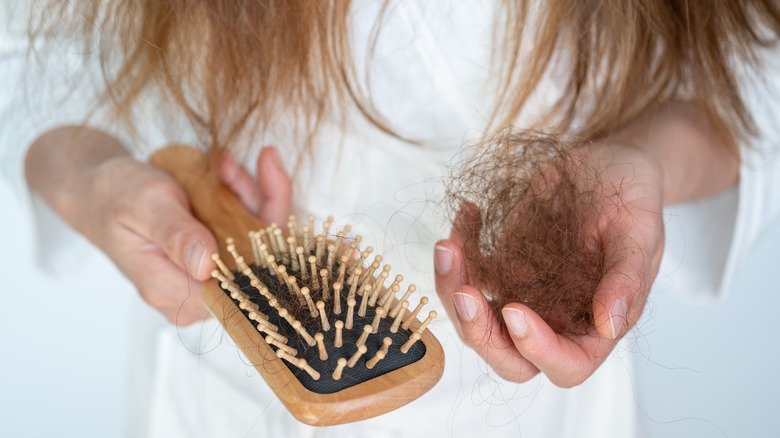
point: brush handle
(211, 201)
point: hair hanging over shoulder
(620, 60)
(224, 62)
(228, 62)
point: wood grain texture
(216, 206)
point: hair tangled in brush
(528, 212)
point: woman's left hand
(269, 196)
(631, 233)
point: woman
(158, 86)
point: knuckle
(512, 367)
(121, 212)
(146, 196)
(478, 333)
(475, 339)
(178, 238)
(159, 188)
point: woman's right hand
(140, 217)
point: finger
(448, 262)
(274, 186)
(473, 319)
(161, 283)
(450, 275)
(613, 299)
(450, 266)
(240, 182)
(174, 293)
(481, 330)
(564, 361)
(632, 252)
(165, 220)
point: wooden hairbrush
(335, 347)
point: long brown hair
(622, 59)
(226, 62)
(223, 62)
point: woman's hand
(631, 234)
(139, 216)
(270, 196)
(672, 156)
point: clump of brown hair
(528, 214)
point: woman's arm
(694, 161)
(669, 157)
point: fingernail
(465, 305)
(442, 260)
(195, 255)
(617, 316)
(516, 322)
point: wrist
(60, 164)
(694, 163)
(85, 190)
(629, 170)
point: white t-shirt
(430, 81)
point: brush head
(328, 315)
(266, 272)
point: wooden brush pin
(371, 363)
(323, 377)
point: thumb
(612, 302)
(622, 292)
(274, 186)
(170, 226)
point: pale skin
(140, 218)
